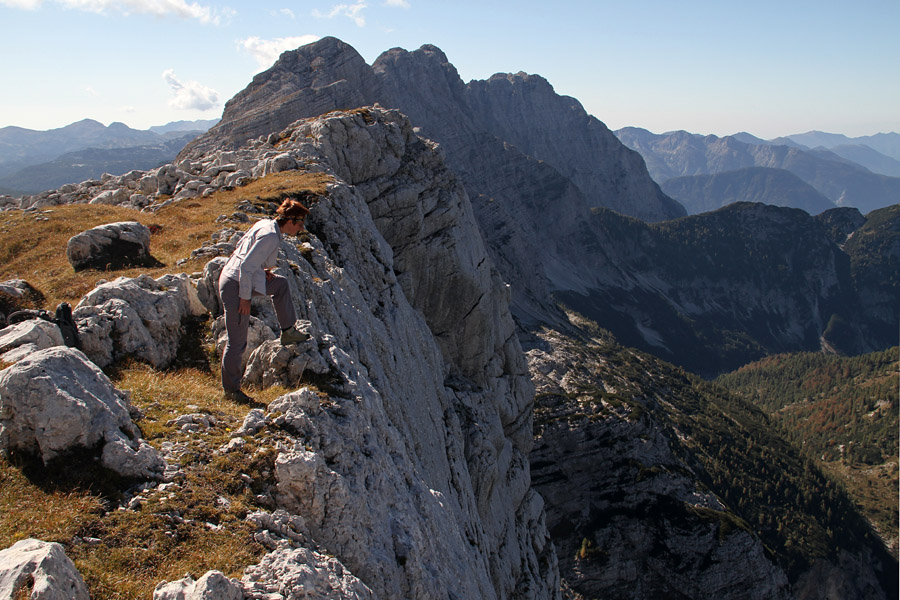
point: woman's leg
(236, 326)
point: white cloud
(351, 11)
(158, 8)
(284, 11)
(266, 52)
(91, 91)
(397, 3)
(26, 4)
(190, 95)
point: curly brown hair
(290, 209)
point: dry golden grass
(185, 529)
(188, 528)
(35, 250)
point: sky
(711, 67)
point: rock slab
(42, 567)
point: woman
(248, 273)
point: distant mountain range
(834, 171)
(778, 187)
(32, 161)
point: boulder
(55, 400)
(212, 586)
(40, 571)
(26, 337)
(138, 316)
(258, 333)
(187, 292)
(273, 364)
(303, 574)
(110, 246)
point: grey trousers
(236, 324)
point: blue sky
(719, 67)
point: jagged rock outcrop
(39, 570)
(303, 574)
(473, 122)
(55, 400)
(140, 316)
(110, 246)
(524, 110)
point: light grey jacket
(257, 250)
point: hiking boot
(292, 336)
(238, 396)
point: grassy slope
(194, 525)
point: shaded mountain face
(679, 154)
(874, 251)
(839, 223)
(777, 187)
(713, 291)
(660, 485)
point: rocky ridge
(414, 474)
(552, 156)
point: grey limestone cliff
(417, 478)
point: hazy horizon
(769, 69)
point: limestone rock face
(40, 571)
(114, 245)
(563, 163)
(55, 400)
(140, 316)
